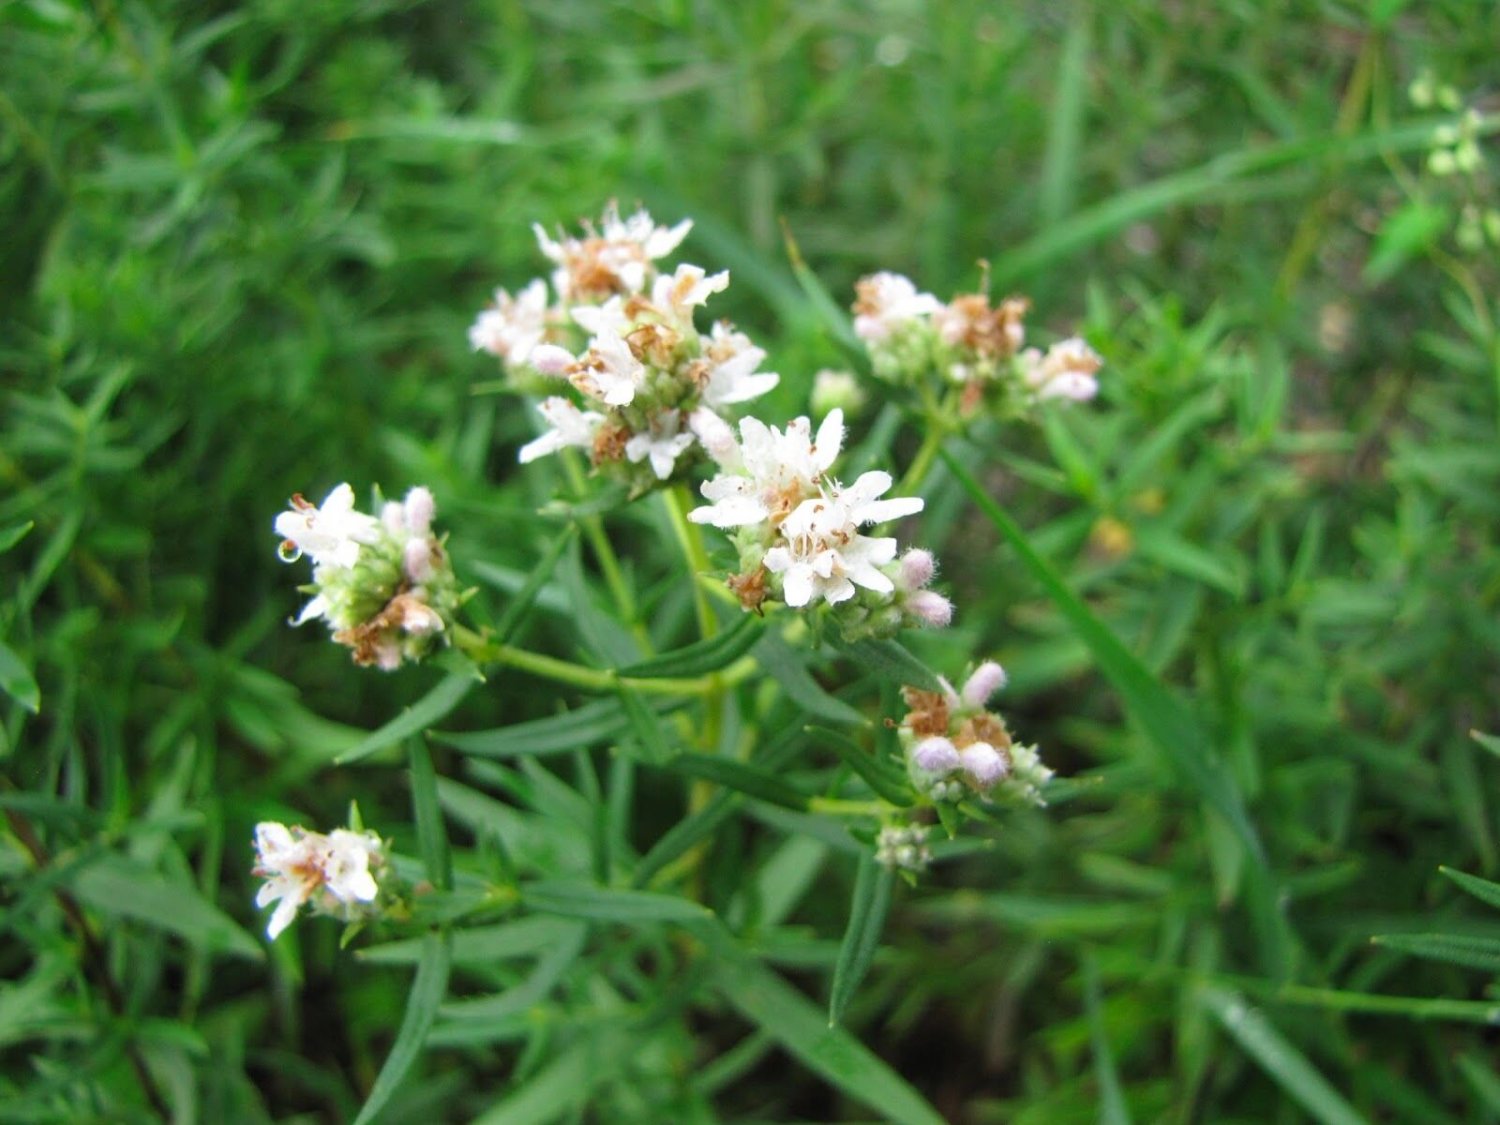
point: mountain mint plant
(807, 567)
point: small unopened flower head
(384, 586)
(334, 874)
(903, 847)
(928, 607)
(954, 746)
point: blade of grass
(1112, 1108)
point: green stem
(690, 539)
(604, 551)
(608, 679)
(926, 455)
(838, 806)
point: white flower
(682, 292)
(1066, 371)
(716, 437)
(733, 377)
(346, 865)
(331, 534)
(886, 302)
(512, 326)
(825, 557)
(615, 257)
(609, 370)
(570, 427)
(608, 317)
(661, 444)
(331, 872)
(778, 471)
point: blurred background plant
(243, 245)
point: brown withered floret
(867, 297)
(749, 588)
(983, 727)
(696, 373)
(653, 344)
(590, 276)
(609, 443)
(927, 712)
(994, 333)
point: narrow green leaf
(739, 776)
(704, 656)
(608, 904)
(655, 744)
(520, 604)
(1112, 1108)
(1456, 949)
(891, 662)
(1176, 554)
(415, 719)
(888, 782)
(1164, 718)
(432, 837)
(17, 681)
(427, 990)
(1279, 1058)
(1482, 1079)
(1489, 741)
(10, 536)
(558, 1089)
(479, 944)
(788, 1017)
(1482, 889)
(575, 729)
(1065, 122)
(830, 314)
(1405, 234)
(788, 670)
(123, 888)
(698, 826)
(867, 910)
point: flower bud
(984, 682)
(419, 509)
(917, 569)
(930, 608)
(983, 763)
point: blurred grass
(242, 247)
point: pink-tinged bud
(420, 507)
(917, 567)
(936, 755)
(984, 763)
(416, 560)
(393, 516)
(388, 655)
(419, 619)
(987, 679)
(549, 359)
(930, 608)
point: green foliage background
(241, 248)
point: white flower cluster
(334, 873)
(969, 343)
(622, 334)
(798, 529)
(903, 848)
(955, 746)
(384, 585)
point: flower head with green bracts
(384, 585)
(335, 874)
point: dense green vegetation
(1249, 599)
